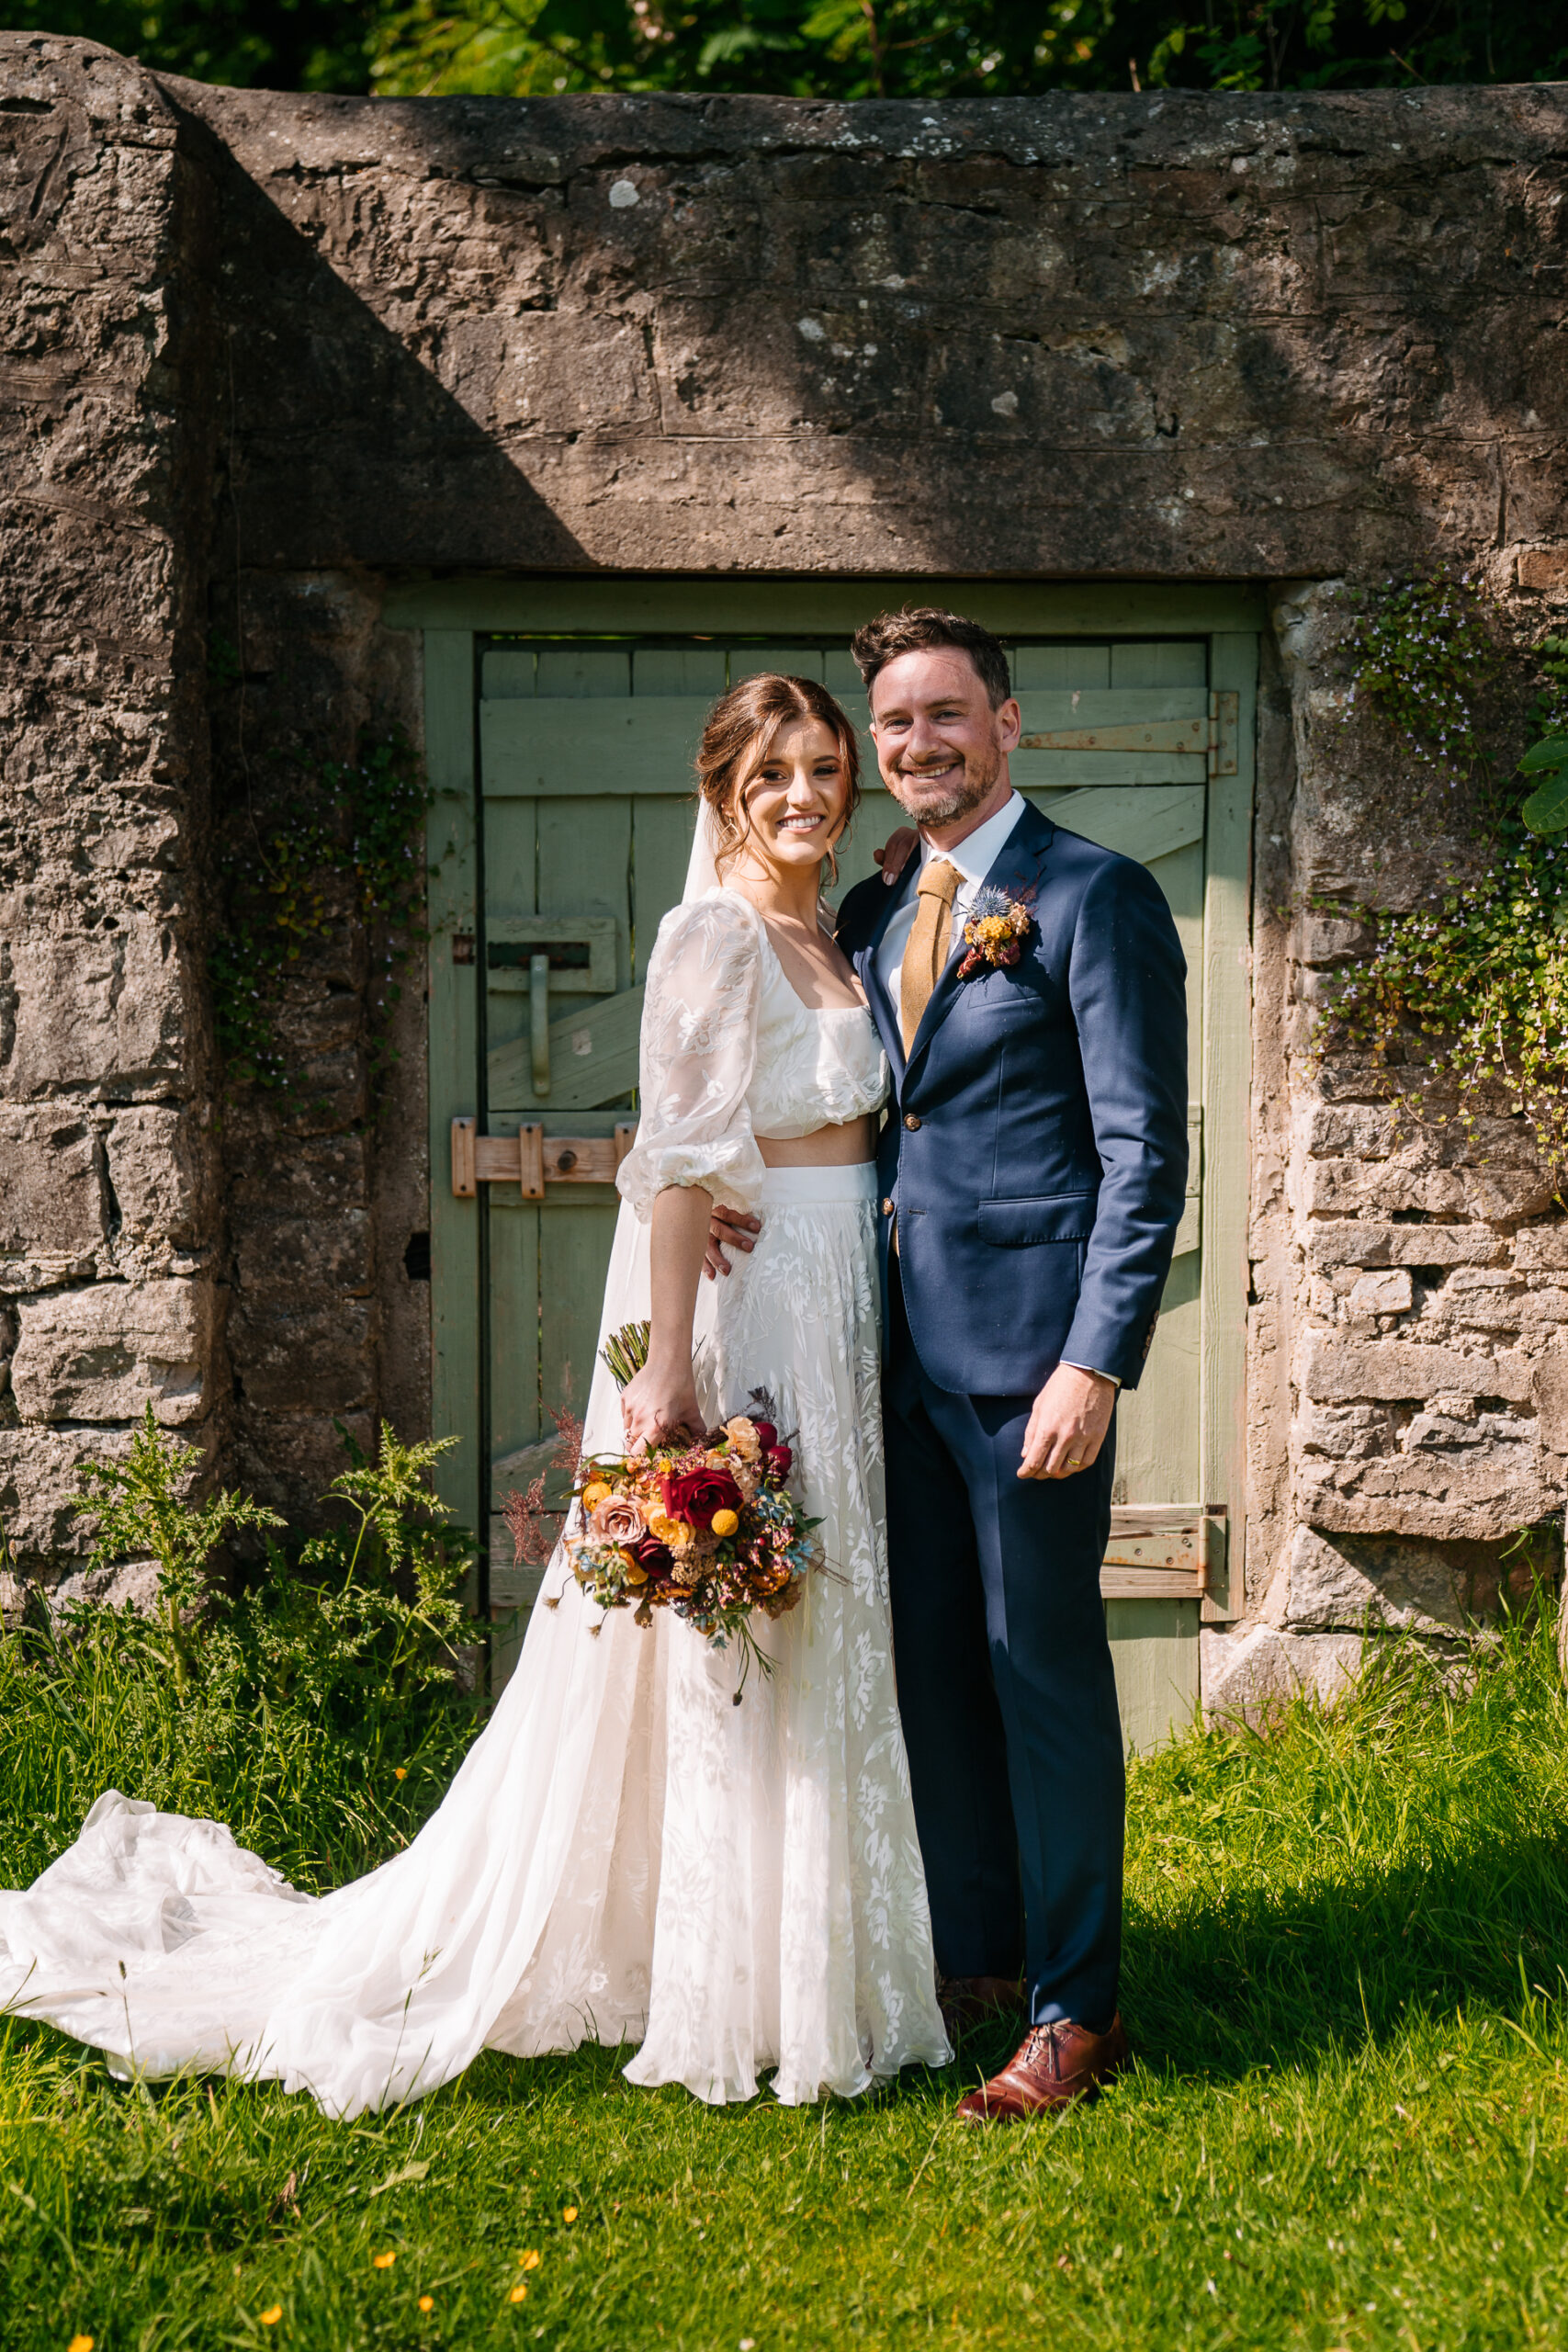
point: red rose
(781, 1460)
(695, 1495)
(652, 1556)
(767, 1436)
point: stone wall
(109, 1295)
(329, 344)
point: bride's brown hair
(738, 736)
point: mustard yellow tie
(929, 942)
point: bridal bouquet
(705, 1527)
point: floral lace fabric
(730, 1053)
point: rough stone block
(1541, 1249)
(1388, 1292)
(289, 1460)
(41, 1479)
(304, 1256)
(313, 1357)
(1346, 1583)
(107, 1353)
(1544, 570)
(1361, 1241)
(159, 1169)
(1337, 1371)
(1252, 1675)
(52, 1198)
(97, 1009)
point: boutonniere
(996, 931)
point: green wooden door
(583, 819)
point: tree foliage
(827, 49)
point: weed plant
(1348, 2126)
(316, 1710)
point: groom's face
(940, 745)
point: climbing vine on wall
(345, 845)
(1464, 999)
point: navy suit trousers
(1005, 1689)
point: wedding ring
(1074, 1460)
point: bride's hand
(895, 853)
(658, 1404)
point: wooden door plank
(680, 669)
(514, 1322)
(1148, 823)
(788, 661)
(1227, 1086)
(1060, 668)
(1061, 710)
(556, 747)
(661, 849)
(507, 672)
(575, 1234)
(586, 672)
(455, 1304)
(1148, 661)
(593, 1058)
(1153, 1648)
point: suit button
(886, 1208)
(911, 1121)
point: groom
(1030, 1177)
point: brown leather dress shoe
(966, 2002)
(1054, 2066)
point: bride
(625, 1854)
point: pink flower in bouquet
(781, 1461)
(695, 1495)
(618, 1519)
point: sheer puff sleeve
(697, 1056)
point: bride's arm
(662, 1398)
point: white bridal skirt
(625, 1854)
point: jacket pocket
(1055, 1216)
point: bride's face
(794, 803)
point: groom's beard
(944, 798)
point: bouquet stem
(626, 1352)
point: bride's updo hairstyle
(738, 737)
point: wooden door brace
(531, 1159)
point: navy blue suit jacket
(1036, 1151)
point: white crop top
(730, 1053)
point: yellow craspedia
(593, 1495)
(724, 1522)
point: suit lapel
(1015, 869)
(884, 1011)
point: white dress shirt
(973, 858)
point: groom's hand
(1068, 1423)
(728, 1229)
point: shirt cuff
(1094, 1369)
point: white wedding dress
(625, 1854)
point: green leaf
(1546, 811)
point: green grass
(1348, 2127)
